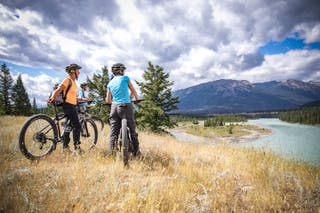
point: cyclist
(117, 95)
(69, 106)
(82, 97)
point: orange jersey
(72, 93)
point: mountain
(312, 104)
(232, 96)
(297, 92)
(315, 83)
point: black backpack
(61, 98)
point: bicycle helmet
(117, 68)
(72, 67)
(83, 85)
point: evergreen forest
(305, 115)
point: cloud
(38, 87)
(195, 41)
(296, 64)
(310, 32)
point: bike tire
(38, 137)
(96, 118)
(89, 134)
(125, 141)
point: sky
(194, 41)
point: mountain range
(234, 96)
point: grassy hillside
(171, 176)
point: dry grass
(171, 176)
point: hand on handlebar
(86, 99)
(50, 100)
(136, 102)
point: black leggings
(71, 112)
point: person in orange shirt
(69, 106)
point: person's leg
(132, 125)
(66, 134)
(74, 120)
(66, 139)
(115, 125)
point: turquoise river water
(298, 141)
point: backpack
(60, 99)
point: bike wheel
(96, 118)
(125, 141)
(38, 137)
(89, 134)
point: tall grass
(170, 176)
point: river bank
(248, 133)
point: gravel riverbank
(252, 135)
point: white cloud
(311, 33)
(38, 87)
(298, 64)
(196, 41)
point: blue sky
(287, 45)
(195, 41)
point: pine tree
(97, 91)
(2, 111)
(5, 90)
(158, 100)
(34, 106)
(309, 115)
(20, 98)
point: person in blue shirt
(83, 100)
(82, 96)
(117, 95)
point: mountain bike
(84, 113)
(40, 134)
(123, 144)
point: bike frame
(58, 117)
(84, 114)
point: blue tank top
(119, 89)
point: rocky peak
(295, 84)
(314, 83)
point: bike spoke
(41, 145)
(37, 137)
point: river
(298, 141)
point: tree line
(305, 115)
(221, 120)
(152, 113)
(14, 99)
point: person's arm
(56, 92)
(81, 97)
(133, 91)
(108, 97)
(84, 99)
(87, 99)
